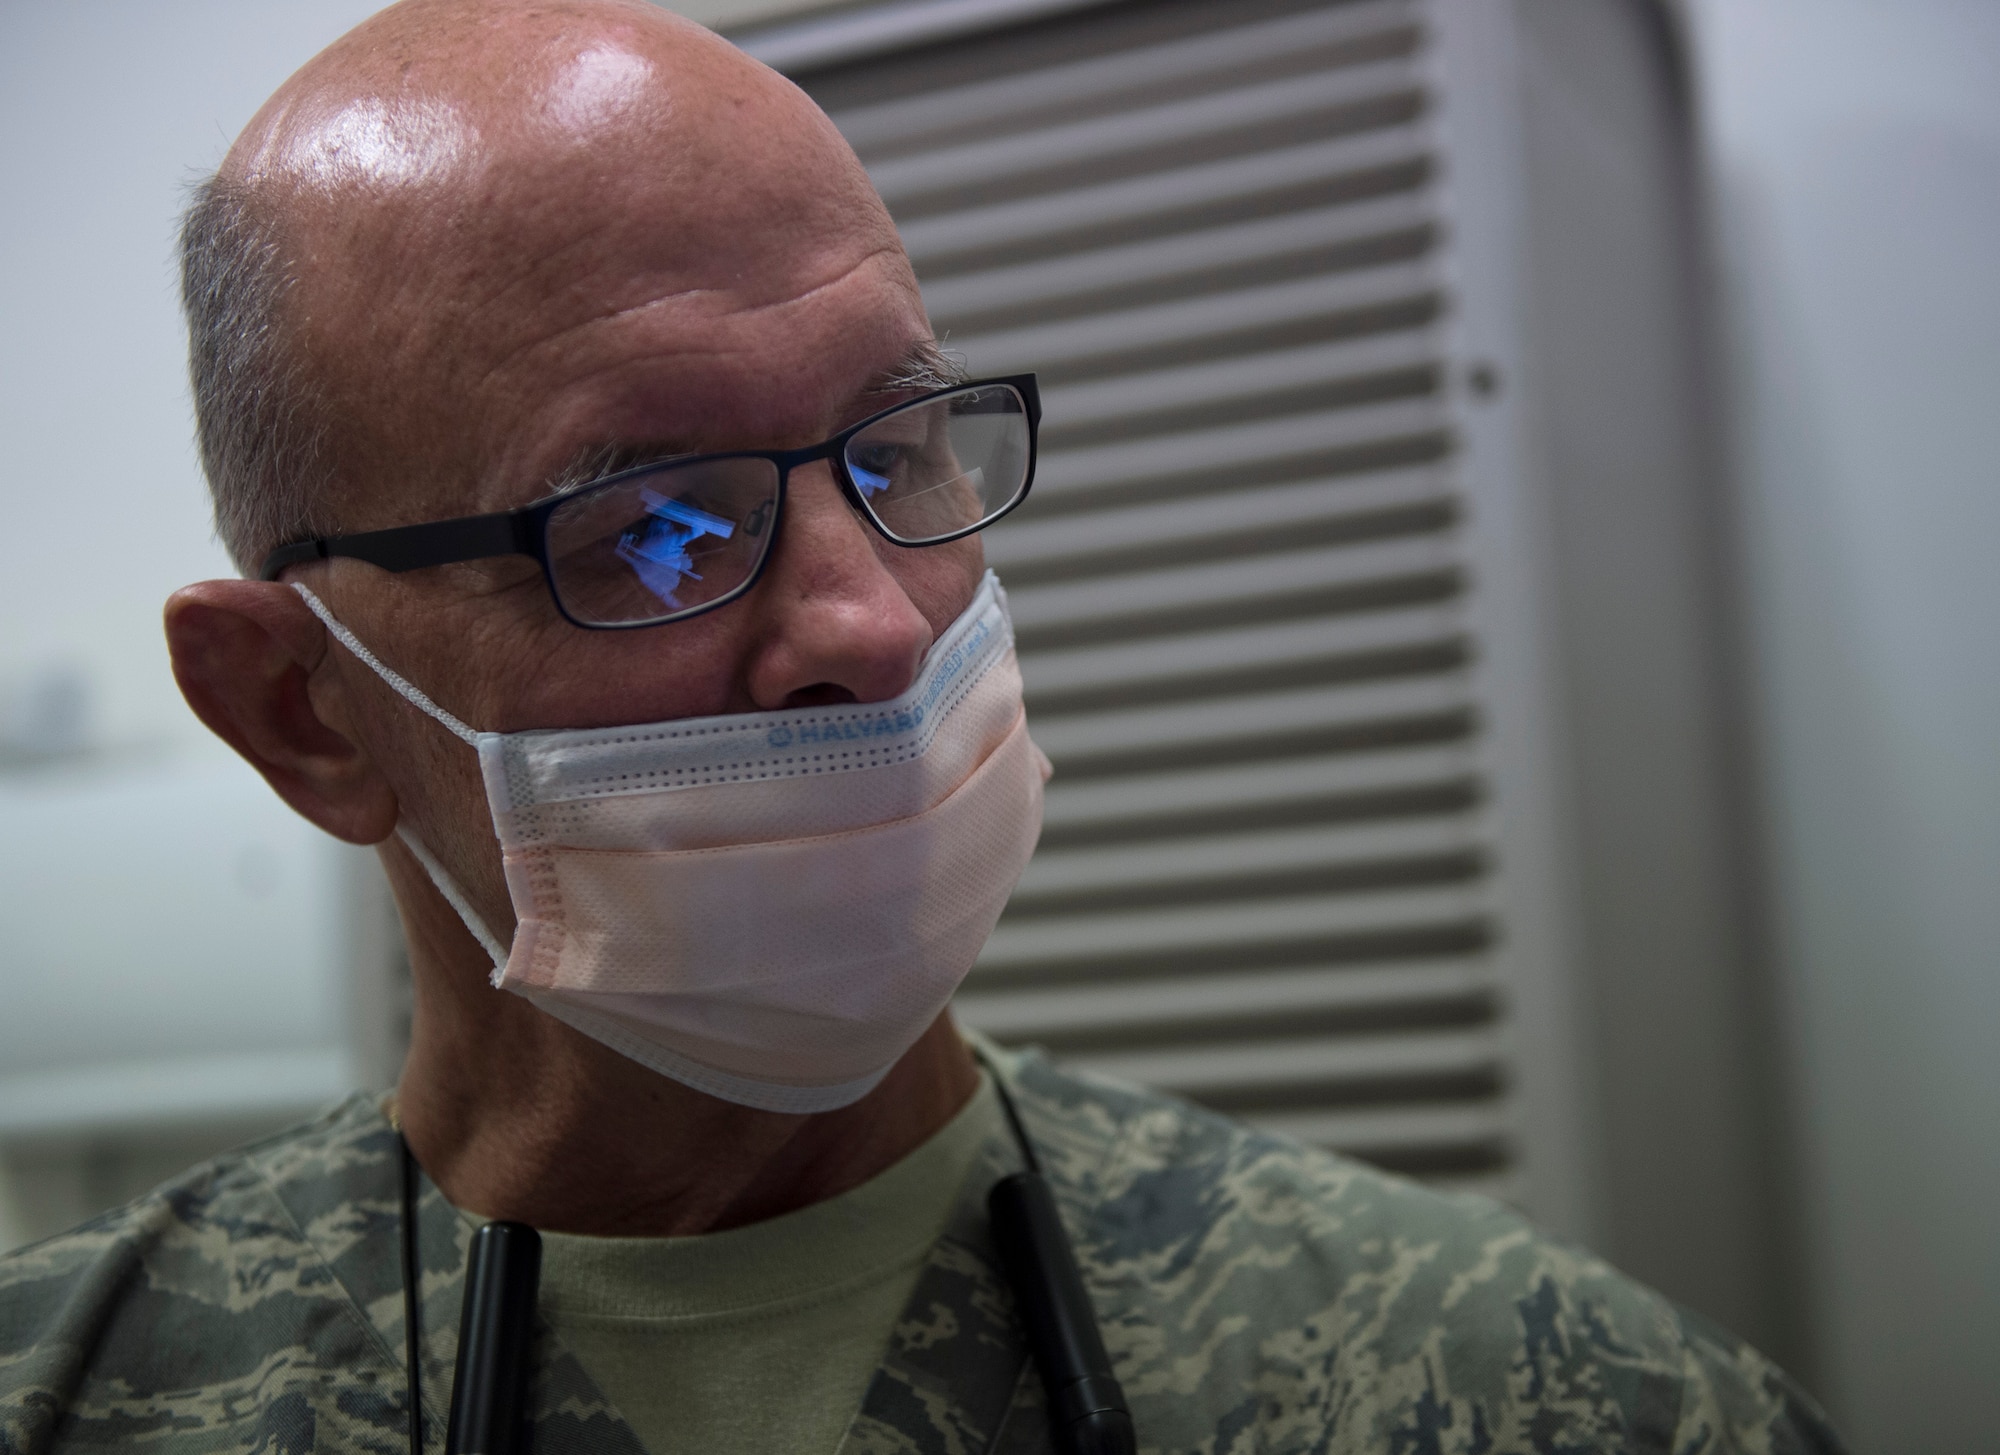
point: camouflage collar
(1253, 1294)
(956, 1377)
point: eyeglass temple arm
(410, 547)
(1031, 395)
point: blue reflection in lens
(867, 481)
(657, 550)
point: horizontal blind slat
(1140, 269)
(1223, 664)
(1262, 791)
(1138, 598)
(1057, 876)
(1162, 459)
(1275, 1063)
(1051, 345)
(1265, 931)
(1168, 1006)
(1242, 522)
(1396, 157)
(1176, 124)
(1095, 743)
(872, 128)
(1074, 409)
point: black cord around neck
(1021, 1137)
(1087, 1408)
(408, 1223)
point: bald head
(474, 241)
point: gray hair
(262, 432)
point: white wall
(172, 974)
(109, 109)
(1857, 147)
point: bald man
(609, 519)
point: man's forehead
(527, 141)
(786, 376)
(922, 366)
(621, 232)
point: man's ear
(244, 653)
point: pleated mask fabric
(770, 907)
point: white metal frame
(1516, 671)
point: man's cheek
(939, 580)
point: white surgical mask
(769, 906)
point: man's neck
(515, 1115)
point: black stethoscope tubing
(1087, 1410)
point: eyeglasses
(670, 540)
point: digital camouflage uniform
(1255, 1296)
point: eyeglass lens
(666, 541)
(942, 466)
(670, 540)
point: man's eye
(874, 466)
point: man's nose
(833, 622)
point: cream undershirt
(762, 1338)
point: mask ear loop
(402, 684)
(446, 885)
(455, 897)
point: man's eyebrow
(926, 364)
(598, 462)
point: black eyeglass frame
(524, 531)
